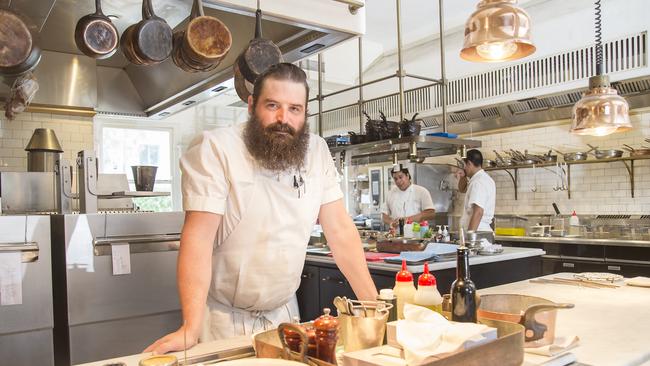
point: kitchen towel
(425, 335)
(433, 251)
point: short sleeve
(478, 195)
(331, 187)
(203, 180)
(425, 200)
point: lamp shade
(498, 30)
(600, 111)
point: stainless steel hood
(72, 82)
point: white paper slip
(11, 278)
(121, 254)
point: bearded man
(252, 194)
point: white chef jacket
(482, 192)
(408, 202)
(259, 250)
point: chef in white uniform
(480, 196)
(407, 200)
(252, 194)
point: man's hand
(394, 223)
(173, 342)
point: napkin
(560, 345)
(426, 335)
(557, 360)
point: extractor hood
(71, 82)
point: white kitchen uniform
(411, 201)
(482, 192)
(259, 251)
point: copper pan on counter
(536, 314)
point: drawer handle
(613, 268)
(568, 265)
(333, 279)
(307, 276)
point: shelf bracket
(514, 178)
(630, 172)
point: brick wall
(595, 188)
(74, 134)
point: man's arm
(428, 214)
(475, 219)
(387, 219)
(343, 239)
(194, 276)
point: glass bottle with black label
(463, 290)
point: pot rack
(513, 171)
(414, 148)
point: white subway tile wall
(74, 133)
(595, 188)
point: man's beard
(273, 150)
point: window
(123, 147)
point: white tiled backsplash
(595, 188)
(74, 134)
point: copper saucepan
(536, 314)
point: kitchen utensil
(356, 138)
(149, 41)
(489, 163)
(607, 153)
(643, 151)
(42, 150)
(341, 305)
(259, 54)
(558, 282)
(361, 332)
(207, 40)
(536, 314)
(95, 34)
(534, 187)
(144, 177)
(556, 209)
(19, 54)
(243, 87)
(587, 281)
(410, 127)
(15, 38)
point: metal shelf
(383, 150)
(628, 161)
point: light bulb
(496, 50)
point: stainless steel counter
(562, 240)
(509, 253)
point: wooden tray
(398, 245)
(267, 345)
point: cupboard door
(308, 294)
(332, 284)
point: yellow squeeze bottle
(404, 289)
(427, 294)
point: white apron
(257, 266)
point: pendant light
(499, 30)
(600, 111)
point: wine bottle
(463, 290)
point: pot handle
(197, 9)
(287, 353)
(538, 329)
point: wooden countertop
(613, 324)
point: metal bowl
(576, 156)
(608, 154)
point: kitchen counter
(509, 253)
(564, 240)
(611, 323)
(243, 342)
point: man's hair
(405, 171)
(281, 71)
(475, 157)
